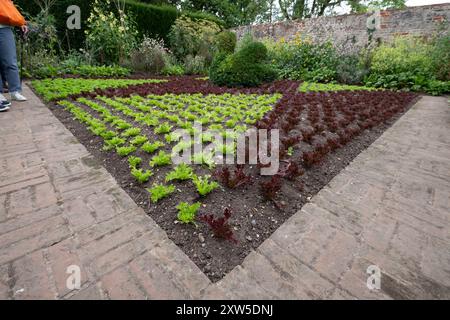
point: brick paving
(390, 208)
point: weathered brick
(27, 219)
(238, 285)
(273, 279)
(78, 214)
(120, 285)
(110, 241)
(44, 195)
(336, 257)
(20, 202)
(61, 256)
(53, 234)
(423, 20)
(292, 270)
(125, 253)
(31, 278)
(90, 293)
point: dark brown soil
(254, 219)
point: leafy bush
(173, 70)
(351, 70)
(193, 37)
(246, 68)
(150, 56)
(403, 55)
(109, 38)
(226, 42)
(440, 57)
(195, 65)
(406, 63)
(301, 59)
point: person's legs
(2, 81)
(8, 59)
(3, 78)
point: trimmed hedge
(152, 20)
(248, 67)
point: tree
(300, 9)
(358, 6)
(233, 12)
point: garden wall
(355, 29)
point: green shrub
(215, 72)
(246, 68)
(301, 59)
(195, 65)
(440, 57)
(351, 70)
(406, 63)
(151, 20)
(403, 55)
(193, 37)
(226, 42)
(173, 70)
(150, 56)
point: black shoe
(4, 106)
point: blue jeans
(8, 60)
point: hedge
(153, 20)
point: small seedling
(163, 128)
(160, 191)
(152, 147)
(134, 162)
(181, 172)
(140, 175)
(132, 132)
(113, 143)
(139, 140)
(161, 159)
(187, 213)
(125, 151)
(203, 185)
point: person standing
(9, 65)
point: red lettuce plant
(220, 226)
(239, 179)
(271, 188)
(292, 171)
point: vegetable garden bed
(215, 213)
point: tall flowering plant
(110, 35)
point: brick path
(390, 208)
